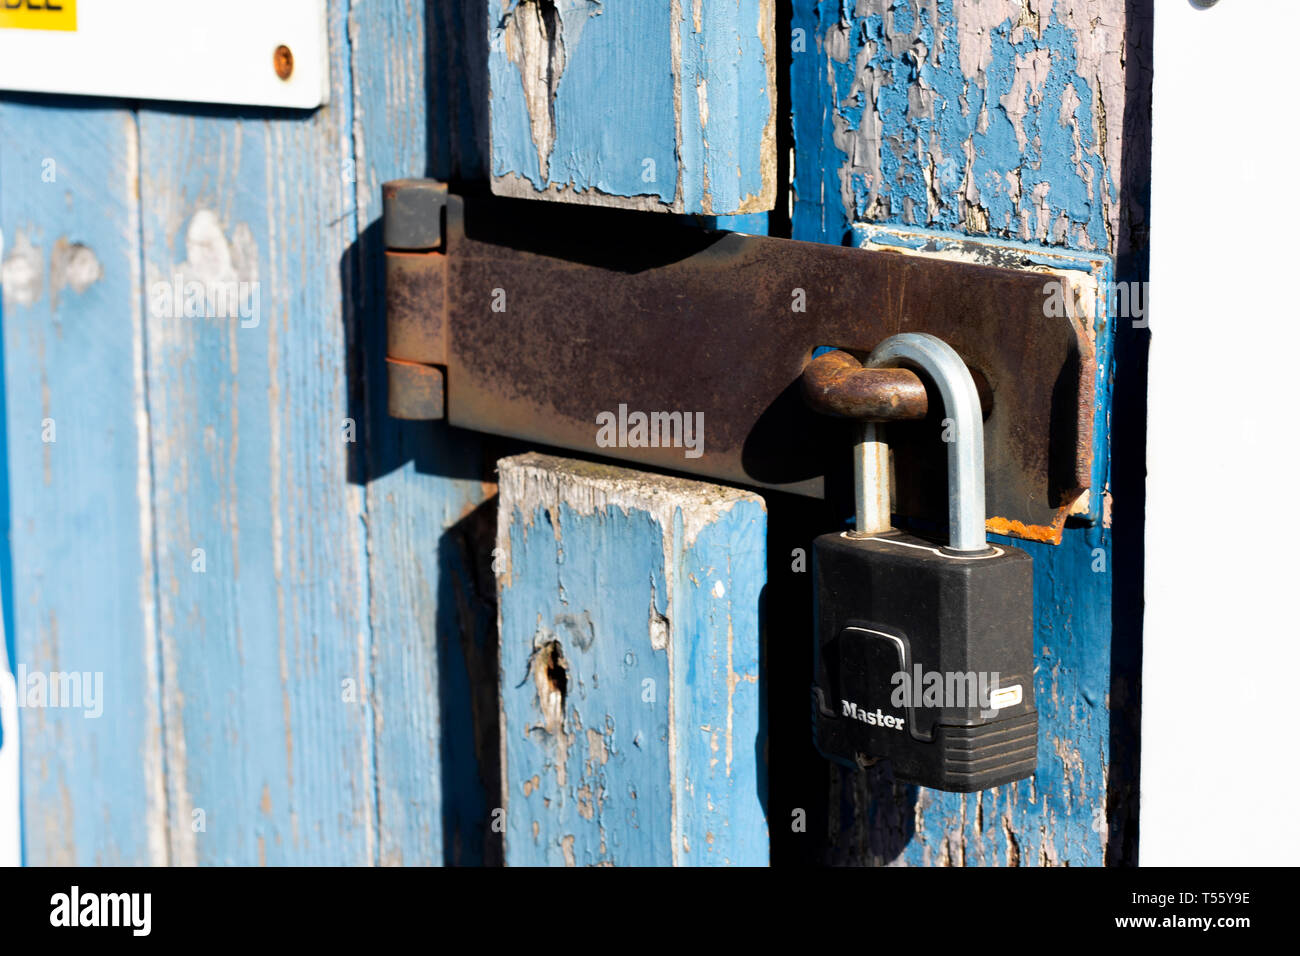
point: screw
(283, 62)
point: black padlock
(925, 653)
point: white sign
(255, 52)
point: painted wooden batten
(275, 580)
(629, 611)
(655, 106)
(432, 612)
(265, 671)
(84, 607)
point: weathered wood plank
(991, 117)
(663, 106)
(92, 782)
(260, 537)
(1000, 119)
(629, 667)
(321, 642)
(432, 608)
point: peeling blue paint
(614, 110)
(941, 134)
(901, 242)
(653, 741)
(614, 116)
(513, 149)
(611, 796)
(901, 70)
(727, 67)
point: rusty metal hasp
(647, 339)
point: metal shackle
(961, 404)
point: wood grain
(266, 679)
(429, 513)
(1000, 121)
(629, 667)
(667, 107)
(78, 459)
(270, 574)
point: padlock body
(926, 659)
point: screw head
(283, 62)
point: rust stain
(415, 286)
(835, 383)
(517, 379)
(1048, 534)
(416, 392)
(283, 60)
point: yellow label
(38, 14)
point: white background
(1220, 723)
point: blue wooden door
(1010, 133)
(304, 632)
(993, 133)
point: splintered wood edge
(532, 481)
